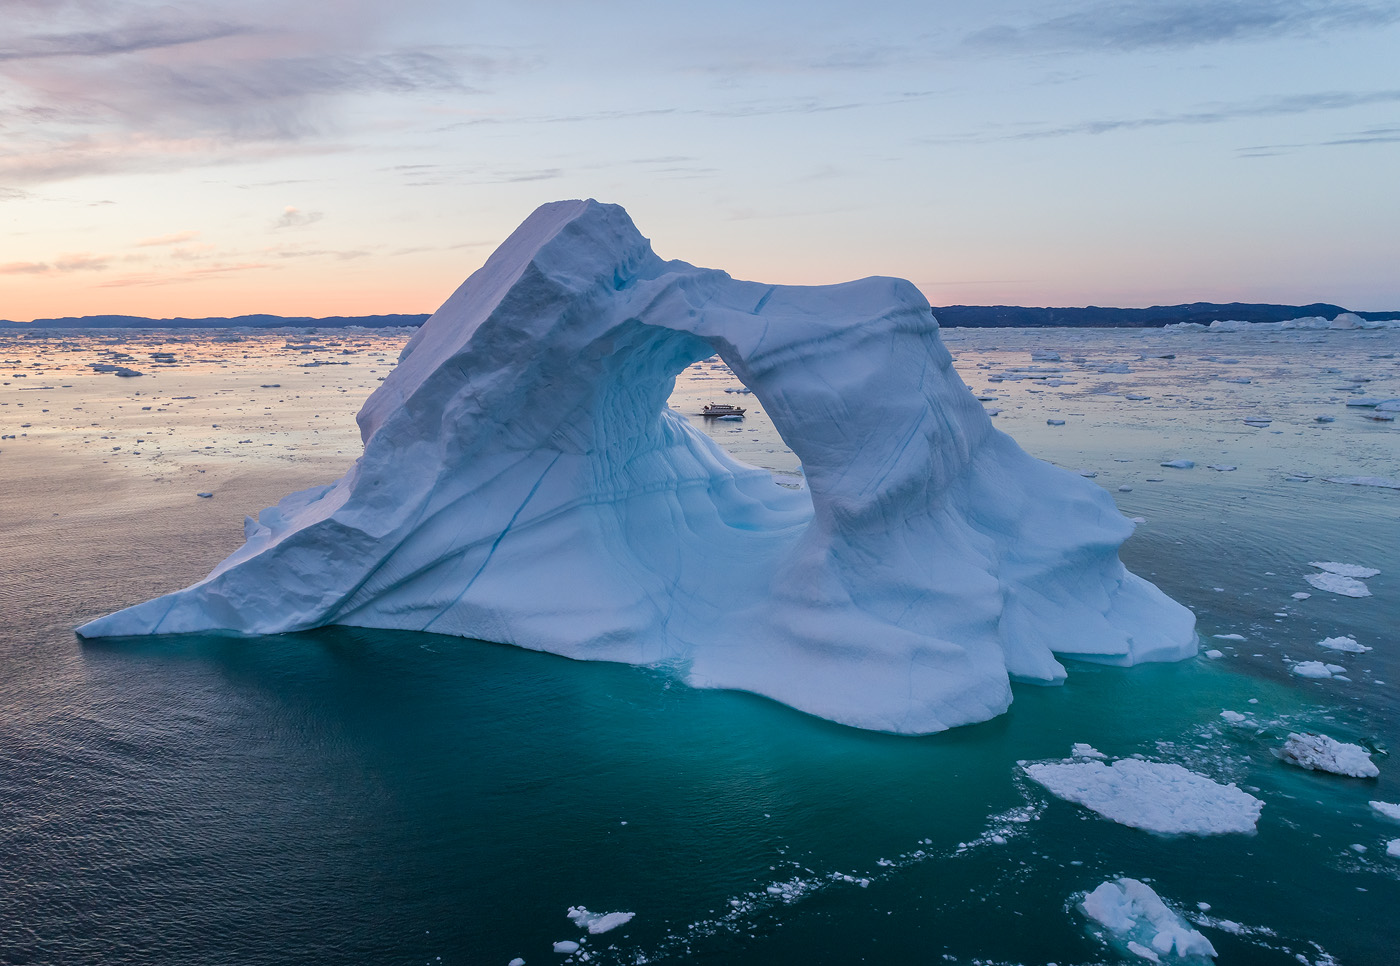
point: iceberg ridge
(523, 481)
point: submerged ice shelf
(523, 481)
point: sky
(302, 157)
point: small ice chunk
(1228, 637)
(1214, 654)
(597, 922)
(1387, 809)
(1300, 595)
(1180, 464)
(1138, 919)
(1234, 717)
(1152, 795)
(1337, 584)
(1044, 355)
(1081, 750)
(1344, 569)
(1392, 848)
(1317, 669)
(1348, 644)
(567, 946)
(1221, 468)
(517, 961)
(204, 495)
(1125, 489)
(1054, 422)
(1325, 419)
(1320, 753)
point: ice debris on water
(1139, 922)
(1152, 795)
(1082, 750)
(566, 946)
(517, 961)
(1338, 584)
(1214, 654)
(1348, 644)
(1392, 848)
(1180, 464)
(1316, 669)
(1387, 809)
(928, 559)
(1228, 637)
(1344, 569)
(1317, 752)
(598, 922)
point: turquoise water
(361, 796)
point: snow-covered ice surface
(1338, 584)
(1137, 920)
(1387, 809)
(1153, 795)
(524, 442)
(598, 922)
(1316, 752)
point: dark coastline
(949, 316)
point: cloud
(1281, 106)
(126, 39)
(24, 268)
(175, 239)
(74, 262)
(120, 91)
(1174, 24)
(182, 277)
(296, 218)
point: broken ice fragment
(1317, 752)
(1138, 920)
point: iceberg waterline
(523, 481)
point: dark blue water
(355, 796)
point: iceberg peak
(524, 481)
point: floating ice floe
(1221, 468)
(1316, 669)
(1344, 569)
(1337, 584)
(1300, 595)
(1348, 644)
(1235, 718)
(1387, 809)
(566, 946)
(524, 442)
(1179, 464)
(1139, 922)
(1152, 795)
(598, 922)
(1215, 654)
(1082, 750)
(1320, 753)
(1392, 848)
(1054, 422)
(1228, 637)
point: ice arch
(523, 481)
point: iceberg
(1139, 922)
(524, 481)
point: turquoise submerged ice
(524, 481)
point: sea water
(350, 795)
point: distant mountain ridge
(985, 316)
(949, 316)
(252, 321)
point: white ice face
(524, 481)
